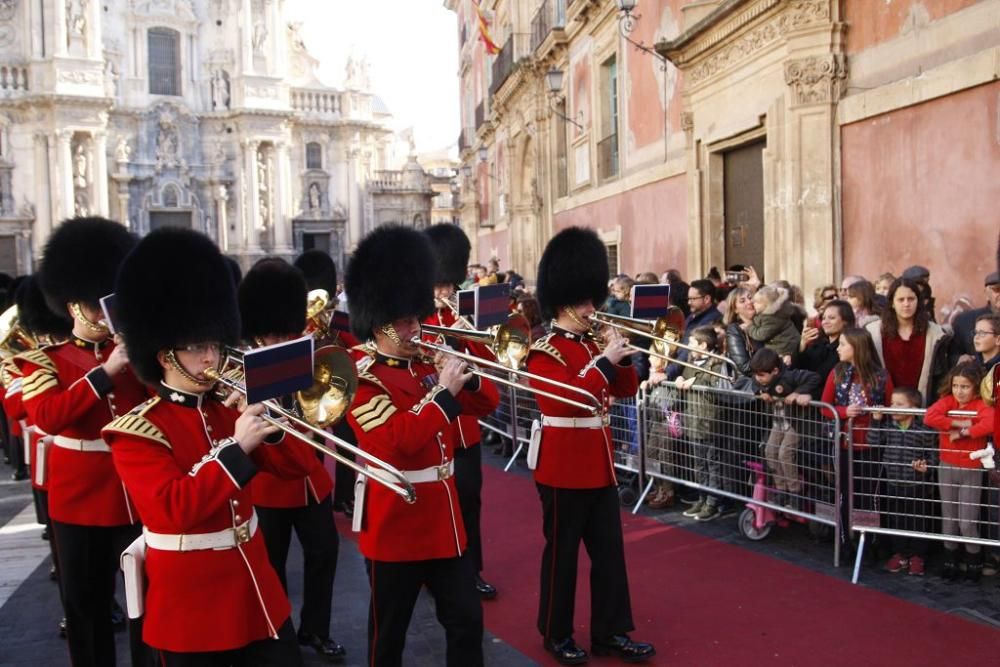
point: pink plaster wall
(653, 219)
(871, 22)
(921, 186)
(579, 106)
(499, 240)
(661, 19)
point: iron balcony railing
(514, 49)
(551, 15)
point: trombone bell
(335, 382)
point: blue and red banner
(650, 302)
(492, 305)
(467, 303)
(109, 304)
(278, 370)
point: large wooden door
(743, 183)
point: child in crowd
(861, 296)
(960, 477)
(699, 420)
(883, 283)
(782, 387)
(772, 326)
(908, 450)
(661, 399)
(986, 341)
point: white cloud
(412, 50)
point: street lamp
(554, 81)
(626, 24)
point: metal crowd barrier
(902, 490)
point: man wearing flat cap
(574, 468)
(212, 597)
(71, 391)
(402, 414)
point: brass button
(208, 428)
(238, 518)
(236, 503)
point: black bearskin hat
(81, 260)
(451, 253)
(573, 269)
(390, 276)
(174, 289)
(272, 299)
(319, 270)
(34, 314)
(234, 270)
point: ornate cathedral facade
(201, 113)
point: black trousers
(343, 477)
(592, 516)
(281, 652)
(394, 591)
(88, 565)
(317, 533)
(16, 450)
(469, 484)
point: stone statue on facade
(110, 78)
(314, 197)
(123, 152)
(259, 37)
(220, 90)
(76, 18)
(80, 166)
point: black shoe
(973, 567)
(19, 475)
(624, 648)
(45, 533)
(949, 568)
(117, 617)
(566, 651)
(324, 646)
(62, 628)
(486, 590)
(53, 575)
(345, 506)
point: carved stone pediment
(177, 9)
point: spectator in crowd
(700, 420)
(987, 343)
(910, 346)
(963, 326)
(646, 278)
(822, 296)
(856, 382)
(527, 305)
(701, 304)
(861, 296)
(908, 450)
(515, 280)
(664, 431)
(818, 346)
(620, 293)
(960, 477)
(678, 290)
(847, 282)
(739, 315)
(798, 302)
(922, 277)
(782, 388)
(883, 284)
(772, 323)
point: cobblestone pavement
(29, 607)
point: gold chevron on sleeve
(138, 426)
(38, 358)
(38, 383)
(544, 346)
(374, 413)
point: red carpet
(703, 602)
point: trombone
(324, 403)
(508, 343)
(656, 331)
(451, 303)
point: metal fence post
(640, 420)
(515, 441)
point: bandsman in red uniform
(575, 473)
(212, 597)
(272, 298)
(451, 253)
(321, 273)
(402, 414)
(71, 391)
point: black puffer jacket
(740, 347)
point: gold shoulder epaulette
(543, 345)
(38, 358)
(368, 377)
(135, 423)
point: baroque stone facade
(201, 113)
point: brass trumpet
(14, 339)
(656, 331)
(324, 403)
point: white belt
(432, 474)
(79, 445)
(227, 538)
(573, 422)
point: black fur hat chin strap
(94, 328)
(172, 360)
(571, 314)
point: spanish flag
(484, 32)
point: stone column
(59, 22)
(64, 175)
(247, 38)
(222, 236)
(251, 203)
(281, 216)
(44, 190)
(101, 173)
(353, 199)
(93, 34)
(278, 58)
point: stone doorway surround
(771, 69)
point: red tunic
(13, 407)
(66, 392)
(270, 490)
(401, 416)
(167, 451)
(576, 458)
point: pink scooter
(757, 520)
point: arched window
(314, 156)
(164, 62)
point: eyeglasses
(202, 348)
(980, 334)
(695, 298)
